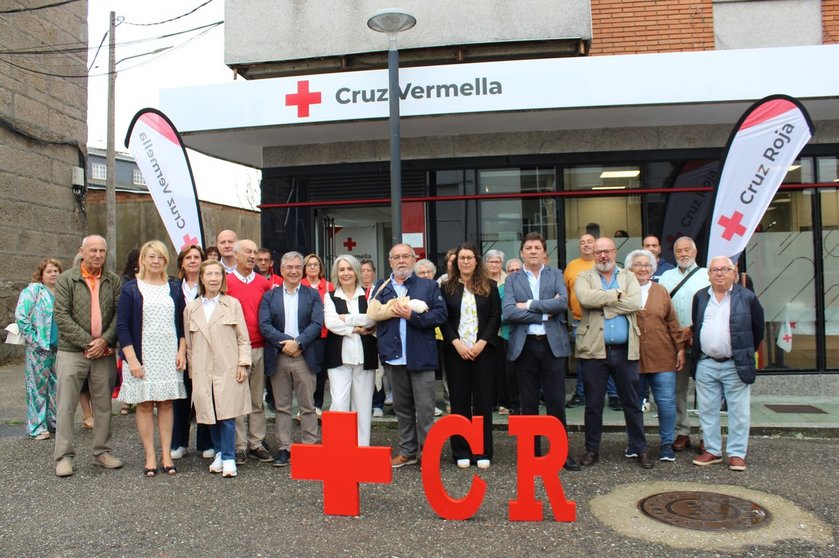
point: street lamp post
(391, 21)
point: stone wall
(43, 130)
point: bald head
(224, 242)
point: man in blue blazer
(290, 318)
(535, 305)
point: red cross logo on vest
(303, 98)
(188, 241)
(350, 244)
(732, 225)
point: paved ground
(263, 512)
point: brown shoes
(64, 467)
(107, 461)
(681, 443)
(707, 459)
(736, 463)
(644, 460)
(402, 460)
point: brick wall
(43, 129)
(830, 21)
(640, 26)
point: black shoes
(282, 459)
(571, 464)
(589, 459)
(241, 457)
(615, 403)
(575, 401)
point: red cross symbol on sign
(340, 463)
(303, 98)
(188, 241)
(732, 225)
(787, 337)
(350, 244)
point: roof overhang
(236, 121)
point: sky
(192, 60)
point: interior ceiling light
(608, 187)
(620, 174)
(793, 167)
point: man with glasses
(682, 283)
(408, 349)
(728, 328)
(607, 339)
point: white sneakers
(483, 464)
(208, 454)
(378, 413)
(179, 452)
(216, 466)
(228, 468)
(463, 463)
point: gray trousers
(293, 378)
(413, 403)
(250, 428)
(72, 370)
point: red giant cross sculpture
(340, 463)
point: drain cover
(704, 511)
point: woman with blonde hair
(150, 315)
(33, 315)
(218, 351)
(351, 355)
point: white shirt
(684, 298)
(352, 352)
(189, 292)
(535, 282)
(229, 269)
(290, 298)
(715, 335)
(244, 279)
(645, 292)
(209, 305)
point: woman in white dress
(351, 355)
(150, 315)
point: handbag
(13, 336)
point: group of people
(206, 341)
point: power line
(192, 11)
(55, 50)
(45, 6)
(85, 76)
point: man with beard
(607, 338)
(408, 349)
(682, 283)
(652, 244)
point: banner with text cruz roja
(763, 145)
(159, 151)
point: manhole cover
(705, 511)
(800, 409)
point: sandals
(150, 472)
(171, 471)
(125, 409)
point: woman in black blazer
(471, 337)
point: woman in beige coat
(219, 358)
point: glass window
(137, 178)
(828, 171)
(99, 171)
(505, 222)
(597, 177)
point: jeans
(713, 381)
(223, 433)
(663, 386)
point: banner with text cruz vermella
(158, 150)
(763, 145)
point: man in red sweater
(247, 286)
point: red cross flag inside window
(303, 98)
(350, 244)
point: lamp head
(391, 21)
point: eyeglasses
(716, 270)
(604, 252)
(398, 257)
(642, 266)
(313, 264)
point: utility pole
(110, 178)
